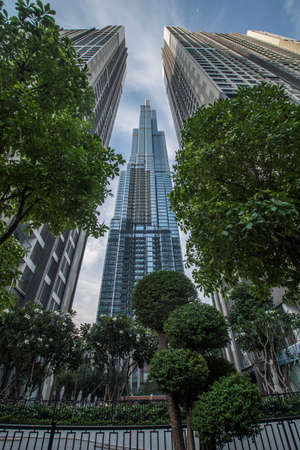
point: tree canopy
(261, 327)
(117, 346)
(53, 169)
(179, 371)
(231, 408)
(159, 293)
(197, 326)
(195, 332)
(236, 190)
(35, 343)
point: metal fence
(279, 434)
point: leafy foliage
(218, 367)
(11, 253)
(122, 413)
(231, 408)
(179, 371)
(261, 327)
(197, 326)
(129, 413)
(52, 168)
(182, 370)
(117, 346)
(34, 344)
(159, 293)
(85, 381)
(236, 190)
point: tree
(236, 190)
(231, 408)
(261, 327)
(85, 380)
(182, 373)
(159, 293)
(154, 297)
(34, 344)
(196, 326)
(117, 346)
(53, 169)
(200, 329)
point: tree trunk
(173, 408)
(175, 422)
(162, 342)
(190, 441)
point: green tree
(52, 168)
(34, 344)
(85, 380)
(236, 190)
(201, 329)
(182, 373)
(159, 293)
(231, 408)
(154, 297)
(196, 326)
(118, 346)
(261, 327)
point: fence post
(52, 433)
(53, 427)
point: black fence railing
(279, 434)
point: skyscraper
(201, 67)
(51, 267)
(143, 235)
(276, 39)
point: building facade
(51, 267)
(143, 234)
(276, 39)
(201, 68)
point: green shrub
(115, 414)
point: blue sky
(144, 21)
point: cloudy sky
(144, 21)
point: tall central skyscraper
(143, 235)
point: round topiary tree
(158, 294)
(184, 374)
(154, 298)
(179, 371)
(197, 326)
(201, 328)
(231, 408)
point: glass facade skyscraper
(201, 67)
(51, 266)
(143, 235)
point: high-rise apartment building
(143, 234)
(51, 267)
(276, 39)
(201, 67)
